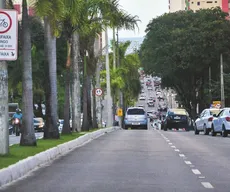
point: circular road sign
(98, 92)
(5, 22)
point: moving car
(136, 117)
(176, 118)
(142, 97)
(150, 104)
(150, 88)
(221, 123)
(204, 121)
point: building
(176, 5)
(18, 7)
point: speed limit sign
(98, 92)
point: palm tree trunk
(76, 89)
(85, 123)
(66, 126)
(51, 126)
(95, 125)
(28, 135)
(89, 102)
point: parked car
(204, 121)
(39, 124)
(221, 123)
(176, 118)
(136, 117)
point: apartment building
(176, 5)
(18, 7)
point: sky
(146, 10)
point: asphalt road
(15, 140)
(138, 161)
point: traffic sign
(8, 35)
(98, 92)
(119, 112)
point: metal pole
(4, 116)
(108, 87)
(222, 82)
(114, 48)
(210, 83)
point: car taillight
(227, 118)
(210, 118)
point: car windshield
(135, 112)
(214, 112)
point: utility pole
(108, 87)
(4, 115)
(121, 103)
(222, 82)
(114, 48)
(210, 82)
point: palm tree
(28, 136)
(50, 11)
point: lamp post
(108, 86)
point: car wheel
(196, 131)
(224, 132)
(206, 131)
(213, 133)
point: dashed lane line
(196, 171)
(207, 185)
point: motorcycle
(17, 126)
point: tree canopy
(181, 46)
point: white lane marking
(170, 143)
(181, 155)
(188, 162)
(173, 146)
(201, 177)
(177, 150)
(207, 185)
(192, 165)
(168, 140)
(196, 171)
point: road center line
(188, 162)
(177, 150)
(201, 177)
(207, 185)
(170, 143)
(196, 171)
(173, 146)
(181, 155)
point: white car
(142, 97)
(203, 122)
(150, 88)
(221, 123)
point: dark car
(176, 118)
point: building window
(198, 3)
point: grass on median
(18, 152)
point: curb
(23, 167)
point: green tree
(181, 46)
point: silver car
(136, 117)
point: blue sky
(146, 10)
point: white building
(176, 5)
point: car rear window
(214, 112)
(135, 112)
(178, 112)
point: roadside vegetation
(182, 48)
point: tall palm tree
(28, 135)
(50, 11)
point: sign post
(8, 52)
